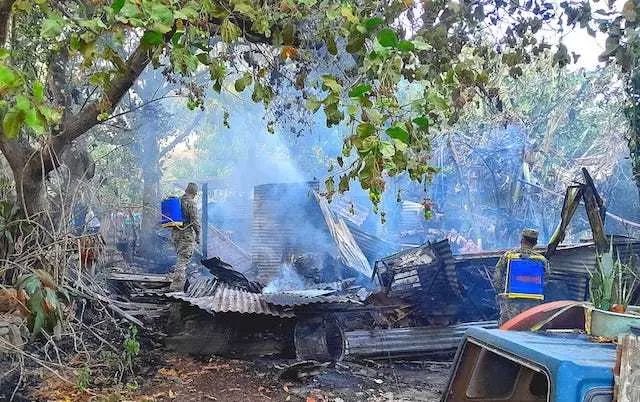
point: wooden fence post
(627, 371)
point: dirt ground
(178, 378)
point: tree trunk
(30, 194)
(151, 174)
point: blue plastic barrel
(171, 211)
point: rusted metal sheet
(227, 299)
(407, 342)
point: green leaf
(191, 11)
(29, 283)
(421, 45)
(243, 82)
(359, 90)
(8, 79)
(23, 103)
(258, 93)
(94, 25)
(38, 91)
(162, 17)
(406, 46)
(437, 100)
(38, 319)
(347, 13)
(12, 123)
(422, 122)
(50, 114)
(244, 7)
(129, 10)
(117, 5)
(217, 70)
(387, 149)
(152, 38)
(203, 58)
(365, 130)
(51, 27)
(330, 185)
(388, 37)
(261, 25)
(4, 53)
(355, 44)
(398, 133)
(329, 82)
(35, 121)
(332, 48)
(343, 186)
(229, 31)
(175, 38)
(219, 12)
(333, 114)
(313, 105)
(373, 23)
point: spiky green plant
(601, 286)
(612, 281)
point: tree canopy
(66, 66)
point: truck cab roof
(494, 365)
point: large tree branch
(16, 152)
(5, 16)
(79, 124)
(180, 137)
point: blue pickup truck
(497, 365)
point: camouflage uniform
(184, 239)
(510, 308)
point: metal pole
(205, 219)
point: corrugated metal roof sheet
(373, 247)
(411, 341)
(347, 208)
(292, 299)
(348, 249)
(227, 299)
(275, 222)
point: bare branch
(180, 137)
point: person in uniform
(510, 297)
(185, 237)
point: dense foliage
(68, 65)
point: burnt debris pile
(320, 287)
